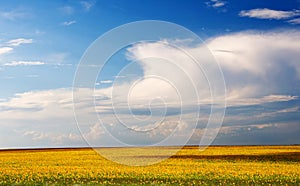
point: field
(234, 165)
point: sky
(243, 89)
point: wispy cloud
(24, 63)
(4, 50)
(119, 76)
(19, 41)
(265, 13)
(68, 23)
(106, 81)
(233, 101)
(215, 3)
(294, 21)
(14, 14)
(87, 5)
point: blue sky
(256, 43)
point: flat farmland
(217, 165)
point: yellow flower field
(240, 165)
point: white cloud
(234, 101)
(19, 41)
(256, 59)
(215, 3)
(266, 13)
(161, 128)
(106, 81)
(252, 60)
(256, 66)
(277, 112)
(249, 64)
(87, 5)
(62, 139)
(94, 132)
(56, 139)
(119, 76)
(5, 50)
(294, 21)
(48, 118)
(24, 63)
(272, 98)
(44, 105)
(68, 23)
(169, 73)
(218, 4)
(35, 135)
